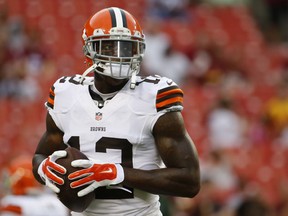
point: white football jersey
(119, 132)
(29, 205)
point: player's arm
(182, 175)
(51, 141)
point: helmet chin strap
(87, 71)
(133, 80)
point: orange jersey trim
(167, 97)
(12, 209)
(169, 92)
(169, 101)
(50, 101)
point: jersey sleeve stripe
(168, 97)
(50, 102)
(11, 209)
(169, 91)
(169, 102)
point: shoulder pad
(62, 93)
(166, 93)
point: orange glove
(95, 175)
(46, 167)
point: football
(67, 195)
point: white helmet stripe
(118, 16)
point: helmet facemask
(117, 56)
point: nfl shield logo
(98, 116)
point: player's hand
(46, 168)
(95, 175)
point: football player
(130, 127)
(25, 196)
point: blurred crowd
(23, 59)
(229, 56)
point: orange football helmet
(113, 43)
(21, 178)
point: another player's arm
(182, 175)
(52, 140)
